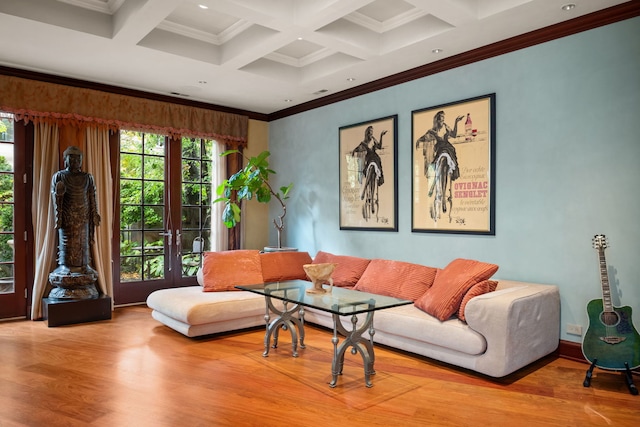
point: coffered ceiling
(258, 55)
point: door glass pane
(7, 204)
(130, 166)
(154, 218)
(191, 171)
(195, 212)
(191, 217)
(154, 167)
(130, 269)
(142, 206)
(154, 144)
(130, 142)
(153, 192)
(130, 192)
(206, 171)
(130, 215)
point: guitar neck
(604, 279)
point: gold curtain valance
(38, 102)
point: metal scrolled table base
(358, 344)
(285, 319)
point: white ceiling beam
(137, 18)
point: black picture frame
(457, 141)
(368, 181)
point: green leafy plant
(249, 182)
(190, 264)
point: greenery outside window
(7, 203)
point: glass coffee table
(340, 303)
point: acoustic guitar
(611, 341)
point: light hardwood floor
(133, 371)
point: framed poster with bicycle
(369, 175)
(453, 159)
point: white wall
(568, 146)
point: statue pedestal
(60, 312)
(76, 283)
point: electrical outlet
(574, 330)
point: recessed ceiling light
(568, 7)
(351, 79)
(203, 6)
(300, 38)
(288, 100)
(437, 50)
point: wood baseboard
(571, 350)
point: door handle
(169, 234)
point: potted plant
(249, 182)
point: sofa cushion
(279, 266)
(443, 298)
(406, 323)
(480, 288)
(222, 271)
(396, 279)
(191, 306)
(348, 270)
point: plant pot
(277, 249)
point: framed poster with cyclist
(453, 159)
(369, 175)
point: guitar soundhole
(609, 318)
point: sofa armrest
(520, 322)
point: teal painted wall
(567, 153)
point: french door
(14, 217)
(163, 217)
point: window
(197, 167)
(142, 206)
(7, 205)
(165, 195)
(16, 150)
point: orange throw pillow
(443, 299)
(222, 271)
(396, 279)
(280, 266)
(481, 288)
(348, 270)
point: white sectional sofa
(503, 329)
